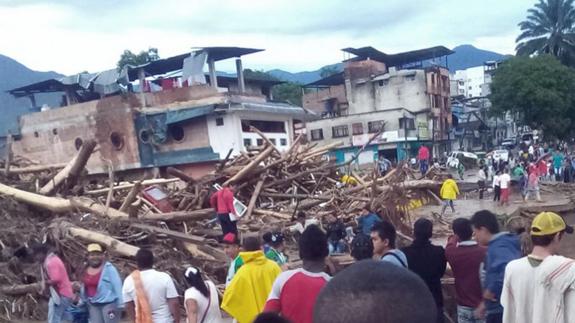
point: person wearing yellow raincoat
(247, 293)
(448, 192)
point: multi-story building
(407, 94)
(144, 117)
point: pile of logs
(60, 205)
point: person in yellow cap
(102, 287)
(248, 291)
(541, 286)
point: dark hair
(40, 248)
(196, 281)
(313, 244)
(270, 317)
(544, 241)
(301, 215)
(385, 230)
(462, 228)
(423, 229)
(361, 247)
(375, 292)
(267, 237)
(486, 219)
(144, 258)
(251, 244)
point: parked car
(469, 160)
(500, 154)
(508, 144)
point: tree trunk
(249, 167)
(112, 245)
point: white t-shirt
(496, 181)
(505, 179)
(159, 286)
(214, 315)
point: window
(144, 136)
(176, 132)
(264, 126)
(247, 142)
(260, 142)
(283, 142)
(273, 141)
(219, 121)
(383, 82)
(357, 129)
(340, 131)
(410, 77)
(375, 126)
(316, 134)
(407, 123)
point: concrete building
(190, 121)
(407, 94)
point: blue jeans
(465, 315)
(56, 311)
(104, 313)
(336, 247)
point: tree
(328, 71)
(288, 92)
(540, 91)
(259, 75)
(549, 29)
(129, 58)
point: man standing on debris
(275, 252)
(465, 257)
(248, 291)
(384, 165)
(503, 247)
(150, 295)
(223, 203)
(102, 287)
(423, 157)
(56, 278)
(366, 220)
(383, 236)
(294, 292)
(541, 286)
(427, 261)
(231, 244)
(448, 192)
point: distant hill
(465, 56)
(13, 75)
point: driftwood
(148, 182)
(53, 204)
(131, 197)
(254, 198)
(87, 205)
(22, 289)
(179, 216)
(169, 233)
(253, 164)
(271, 144)
(72, 170)
(112, 245)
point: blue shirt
(366, 222)
(503, 247)
(396, 257)
(109, 287)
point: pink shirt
(58, 274)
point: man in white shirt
(505, 183)
(147, 288)
(541, 286)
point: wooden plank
(179, 216)
(147, 182)
(254, 198)
(248, 168)
(170, 233)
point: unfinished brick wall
(315, 99)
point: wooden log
(111, 188)
(253, 164)
(300, 174)
(36, 169)
(436, 198)
(170, 233)
(296, 196)
(254, 198)
(320, 150)
(181, 175)
(53, 204)
(88, 205)
(278, 215)
(72, 170)
(112, 245)
(225, 160)
(294, 145)
(131, 197)
(147, 182)
(23, 289)
(410, 185)
(261, 134)
(179, 216)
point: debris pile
(40, 203)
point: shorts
(505, 195)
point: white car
(455, 157)
(501, 154)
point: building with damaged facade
(164, 113)
(408, 94)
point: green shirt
(276, 256)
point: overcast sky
(70, 36)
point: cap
(94, 247)
(546, 223)
(277, 237)
(231, 238)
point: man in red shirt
(423, 156)
(465, 257)
(56, 278)
(223, 203)
(294, 291)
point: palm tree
(549, 29)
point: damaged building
(406, 94)
(164, 113)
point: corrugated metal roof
(399, 58)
